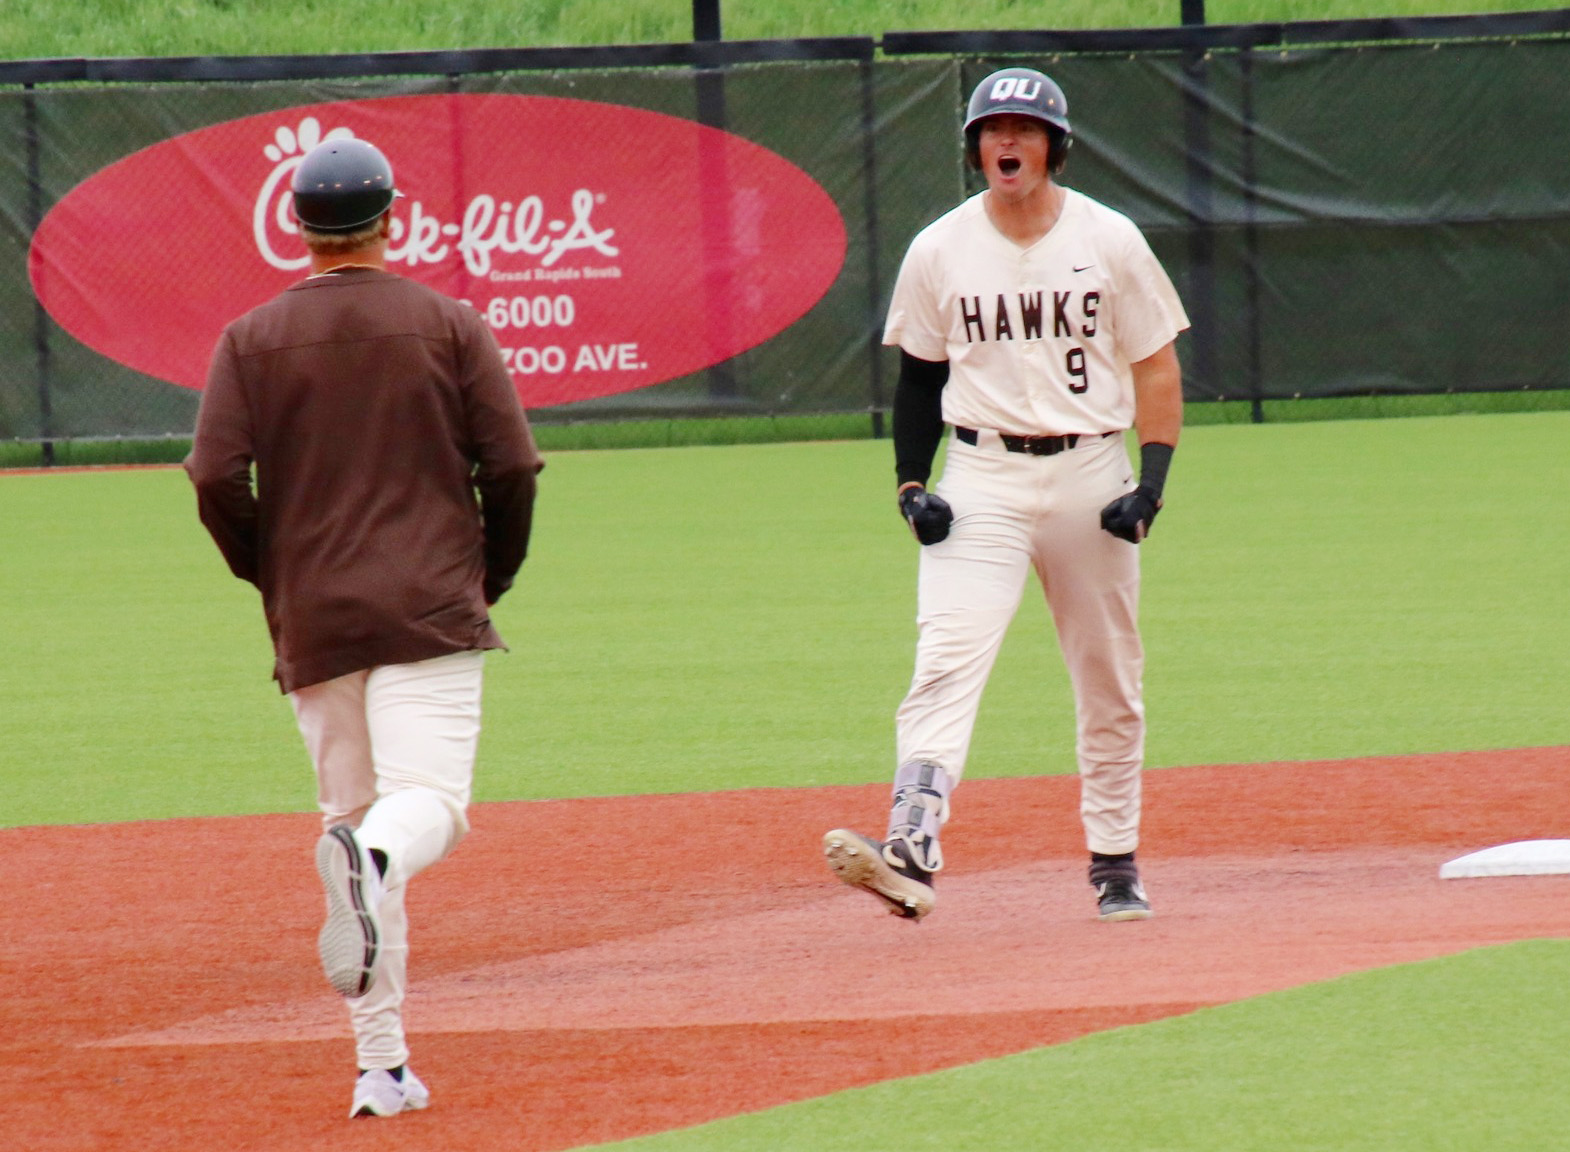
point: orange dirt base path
(588, 970)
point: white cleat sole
(859, 862)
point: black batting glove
(1129, 517)
(927, 513)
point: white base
(1523, 858)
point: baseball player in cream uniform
(1038, 324)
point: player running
(362, 457)
(1038, 323)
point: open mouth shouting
(1008, 165)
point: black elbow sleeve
(918, 416)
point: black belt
(1030, 445)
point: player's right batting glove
(1129, 517)
(927, 513)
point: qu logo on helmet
(1015, 86)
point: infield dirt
(588, 970)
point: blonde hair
(339, 243)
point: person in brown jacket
(392, 498)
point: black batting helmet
(342, 185)
(1023, 92)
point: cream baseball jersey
(1039, 340)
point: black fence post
(869, 175)
(706, 19)
(35, 217)
(711, 113)
(1250, 180)
(1199, 192)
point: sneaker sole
(410, 1104)
(351, 937)
(857, 862)
(1126, 914)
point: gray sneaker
(350, 939)
(884, 870)
(380, 1093)
(1119, 894)
(1122, 898)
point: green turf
(199, 27)
(1335, 588)
(135, 668)
(707, 618)
(1463, 1054)
(685, 432)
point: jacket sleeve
(219, 464)
(506, 461)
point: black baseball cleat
(884, 870)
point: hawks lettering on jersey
(1029, 316)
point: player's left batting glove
(1129, 517)
(927, 513)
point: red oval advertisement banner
(609, 248)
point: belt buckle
(1045, 445)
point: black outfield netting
(1344, 213)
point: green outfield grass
(724, 617)
(678, 432)
(1456, 1055)
(41, 28)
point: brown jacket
(394, 472)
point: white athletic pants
(1013, 512)
(394, 752)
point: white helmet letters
(1016, 87)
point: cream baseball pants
(1012, 513)
(394, 751)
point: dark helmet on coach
(1023, 92)
(343, 184)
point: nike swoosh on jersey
(1082, 267)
